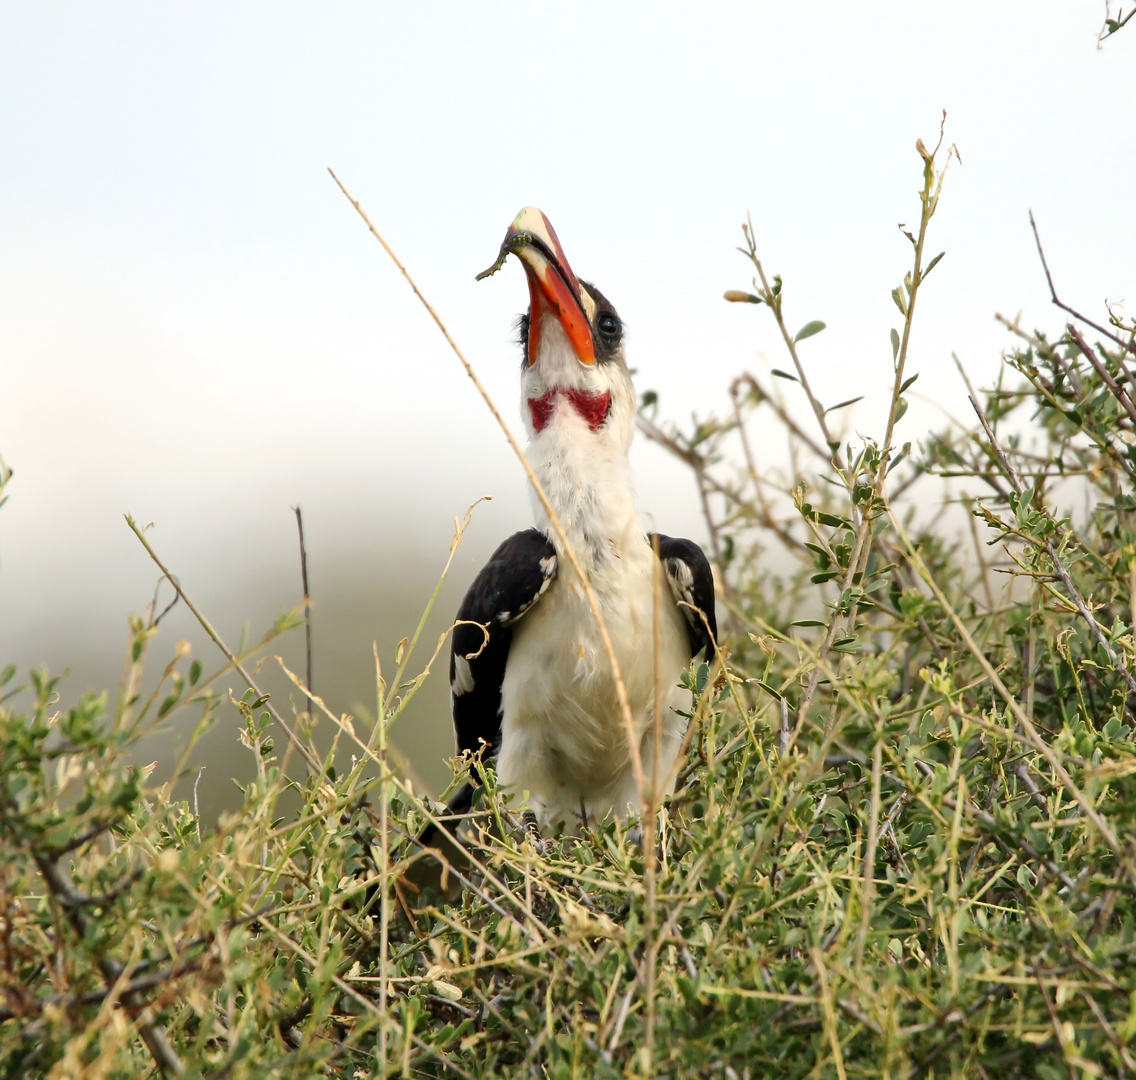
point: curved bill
(553, 287)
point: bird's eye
(608, 325)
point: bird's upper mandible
(553, 287)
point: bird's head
(573, 376)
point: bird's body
(563, 729)
(531, 679)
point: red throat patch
(592, 407)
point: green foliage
(901, 844)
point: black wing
(692, 585)
(515, 578)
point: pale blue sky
(195, 328)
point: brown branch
(784, 417)
(1127, 345)
(133, 986)
(1121, 395)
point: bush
(901, 844)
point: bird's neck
(587, 478)
(580, 422)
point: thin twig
(1123, 395)
(782, 415)
(1065, 307)
(307, 606)
(1111, 25)
(869, 883)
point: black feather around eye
(609, 326)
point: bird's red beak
(553, 288)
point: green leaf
(931, 265)
(687, 988)
(783, 375)
(908, 382)
(904, 451)
(807, 622)
(894, 344)
(850, 401)
(808, 330)
(900, 298)
(771, 691)
(900, 409)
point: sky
(196, 328)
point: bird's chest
(561, 714)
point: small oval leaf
(850, 401)
(807, 331)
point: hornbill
(531, 681)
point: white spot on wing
(681, 581)
(463, 676)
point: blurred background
(196, 328)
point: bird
(531, 682)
